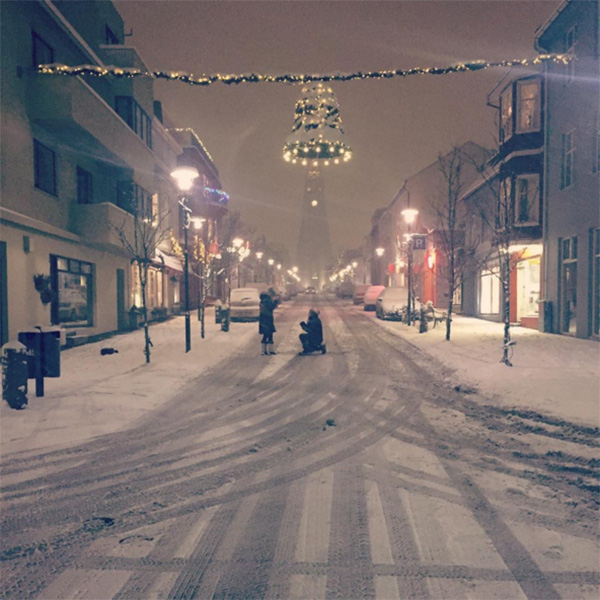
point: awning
(168, 260)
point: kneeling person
(312, 339)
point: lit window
(506, 112)
(489, 298)
(73, 302)
(44, 161)
(567, 175)
(528, 106)
(527, 196)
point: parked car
(311, 290)
(359, 292)
(371, 296)
(345, 290)
(392, 303)
(244, 304)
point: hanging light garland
(205, 80)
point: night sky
(395, 127)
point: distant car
(244, 304)
(345, 290)
(392, 303)
(311, 290)
(359, 292)
(371, 296)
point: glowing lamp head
(185, 177)
(237, 242)
(380, 251)
(354, 264)
(410, 215)
(271, 262)
(259, 255)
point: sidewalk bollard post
(14, 374)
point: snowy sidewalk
(552, 374)
(96, 394)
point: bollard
(14, 374)
(423, 323)
(225, 317)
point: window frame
(85, 186)
(520, 103)
(506, 116)
(567, 161)
(533, 203)
(39, 150)
(71, 266)
(135, 116)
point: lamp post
(410, 215)
(185, 176)
(380, 252)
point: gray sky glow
(395, 127)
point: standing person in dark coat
(312, 339)
(266, 322)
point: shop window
(72, 279)
(567, 177)
(489, 292)
(527, 198)
(84, 186)
(44, 163)
(42, 53)
(528, 106)
(568, 284)
(528, 287)
(506, 112)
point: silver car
(244, 304)
(391, 304)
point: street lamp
(185, 176)
(410, 215)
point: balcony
(96, 223)
(76, 115)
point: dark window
(574, 247)
(135, 116)
(84, 186)
(42, 53)
(566, 252)
(73, 285)
(567, 160)
(111, 38)
(44, 161)
(134, 199)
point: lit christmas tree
(317, 135)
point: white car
(392, 304)
(371, 296)
(244, 304)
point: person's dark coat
(314, 329)
(266, 323)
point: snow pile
(552, 374)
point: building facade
(82, 159)
(571, 235)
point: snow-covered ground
(98, 394)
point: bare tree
(506, 206)
(456, 244)
(140, 235)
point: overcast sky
(395, 127)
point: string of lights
(235, 79)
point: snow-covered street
(386, 468)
